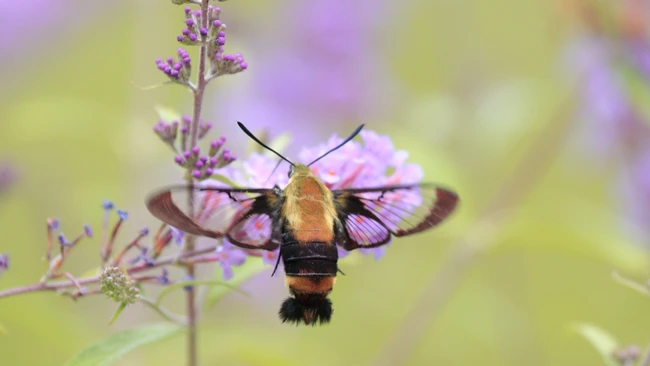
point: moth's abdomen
(310, 276)
(310, 267)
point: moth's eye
(290, 171)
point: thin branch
(120, 255)
(199, 91)
(75, 282)
(108, 249)
(92, 280)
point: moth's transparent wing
(243, 215)
(371, 216)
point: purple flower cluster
(178, 71)
(612, 60)
(199, 30)
(226, 64)
(202, 29)
(169, 131)
(228, 255)
(205, 165)
(373, 163)
(166, 131)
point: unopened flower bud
(118, 286)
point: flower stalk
(55, 286)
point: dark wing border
(350, 202)
(162, 206)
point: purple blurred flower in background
(327, 73)
(29, 19)
(373, 163)
(35, 27)
(7, 177)
(612, 60)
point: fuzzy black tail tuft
(309, 310)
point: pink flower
(228, 255)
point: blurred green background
(479, 93)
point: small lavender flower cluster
(118, 285)
(221, 63)
(227, 255)
(196, 33)
(169, 131)
(178, 71)
(203, 165)
(65, 246)
(114, 282)
(202, 29)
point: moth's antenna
(250, 134)
(356, 132)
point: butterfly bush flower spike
(214, 35)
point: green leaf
(638, 287)
(178, 285)
(117, 313)
(601, 340)
(242, 273)
(112, 348)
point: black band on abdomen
(309, 259)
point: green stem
(163, 312)
(199, 91)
